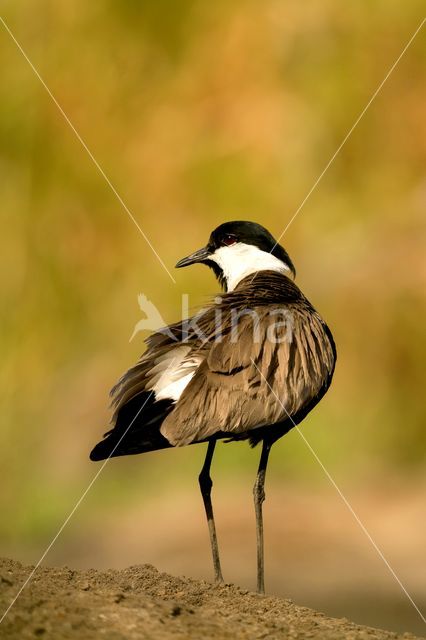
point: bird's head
(237, 249)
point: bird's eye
(229, 239)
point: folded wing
(268, 366)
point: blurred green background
(199, 113)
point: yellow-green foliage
(201, 112)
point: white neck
(240, 260)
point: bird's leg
(206, 488)
(259, 497)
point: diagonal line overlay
(343, 497)
(79, 501)
(133, 219)
(70, 515)
(351, 130)
(88, 151)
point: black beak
(198, 256)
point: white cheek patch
(240, 260)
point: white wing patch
(240, 260)
(175, 376)
(174, 390)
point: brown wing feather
(231, 390)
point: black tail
(137, 428)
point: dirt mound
(139, 602)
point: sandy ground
(140, 602)
(316, 553)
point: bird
(249, 366)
